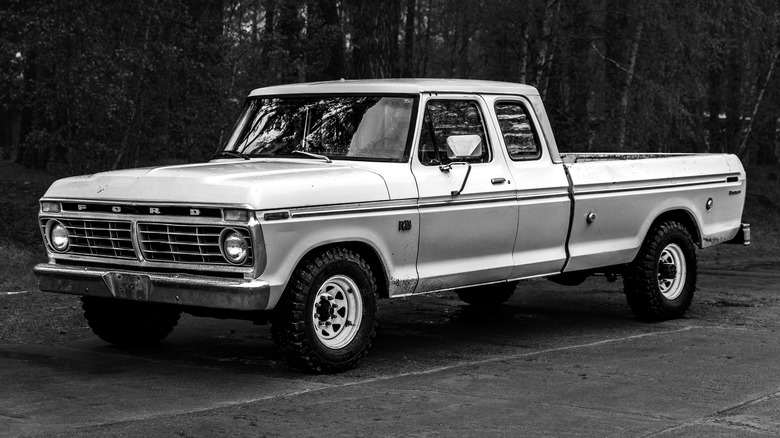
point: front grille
(185, 243)
(99, 238)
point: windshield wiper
(230, 154)
(313, 155)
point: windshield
(339, 127)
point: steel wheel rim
(337, 312)
(671, 286)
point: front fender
(288, 241)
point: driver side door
(468, 208)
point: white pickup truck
(329, 196)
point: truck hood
(260, 184)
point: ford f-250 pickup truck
(329, 196)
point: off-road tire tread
(640, 282)
(128, 323)
(487, 296)
(288, 328)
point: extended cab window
(519, 135)
(450, 122)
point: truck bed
(626, 192)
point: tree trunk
(330, 18)
(621, 139)
(270, 68)
(124, 146)
(427, 41)
(735, 98)
(375, 38)
(777, 142)
(393, 30)
(411, 6)
(714, 103)
(543, 56)
(523, 78)
(743, 151)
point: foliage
(89, 85)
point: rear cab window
(517, 130)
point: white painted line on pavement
(722, 418)
(458, 365)
(14, 293)
(317, 387)
(521, 355)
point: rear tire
(659, 284)
(326, 319)
(129, 323)
(488, 296)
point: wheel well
(371, 257)
(685, 219)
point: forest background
(92, 85)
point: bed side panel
(616, 202)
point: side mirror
(464, 146)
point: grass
(21, 246)
(16, 262)
(37, 317)
(31, 316)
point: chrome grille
(97, 237)
(185, 243)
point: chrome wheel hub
(672, 271)
(338, 309)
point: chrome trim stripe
(142, 264)
(183, 220)
(528, 277)
(361, 208)
(448, 289)
(643, 188)
(472, 201)
(488, 283)
(142, 203)
(563, 194)
(408, 204)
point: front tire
(129, 323)
(659, 284)
(326, 319)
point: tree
(87, 86)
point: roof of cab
(399, 86)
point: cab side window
(518, 132)
(447, 122)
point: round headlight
(234, 247)
(58, 236)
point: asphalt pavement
(553, 361)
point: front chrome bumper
(182, 289)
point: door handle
(497, 180)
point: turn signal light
(50, 207)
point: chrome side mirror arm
(446, 169)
